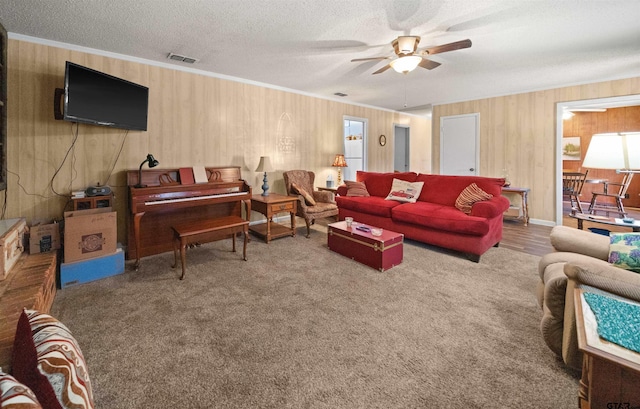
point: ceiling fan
(409, 57)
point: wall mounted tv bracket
(57, 106)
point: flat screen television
(96, 98)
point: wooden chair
(618, 195)
(317, 204)
(572, 183)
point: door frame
(407, 144)
(477, 140)
(607, 102)
(365, 132)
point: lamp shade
(613, 151)
(264, 165)
(406, 64)
(339, 161)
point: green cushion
(624, 251)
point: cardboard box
(44, 237)
(89, 233)
(80, 272)
(11, 243)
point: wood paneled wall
(518, 133)
(193, 120)
(586, 124)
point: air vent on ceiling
(340, 94)
(181, 58)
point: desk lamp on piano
(152, 164)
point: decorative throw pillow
(356, 189)
(48, 360)
(308, 197)
(624, 251)
(470, 195)
(14, 395)
(403, 191)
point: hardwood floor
(530, 239)
(534, 239)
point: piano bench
(208, 230)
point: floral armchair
(312, 204)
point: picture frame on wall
(571, 148)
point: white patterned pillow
(403, 191)
(14, 395)
(48, 360)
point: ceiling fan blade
(448, 47)
(370, 59)
(428, 64)
(383, 69)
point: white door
(401, 149)
(459, 136)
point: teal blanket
(618, 321)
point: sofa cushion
(445, 189)
(470, 195)
(403, 191)
(48, 360)
(308, 198)
(440, 217)
(624, 251)
(379, 184)
(369, 205)
(356, 189)
(15, 395)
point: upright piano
(164, 202)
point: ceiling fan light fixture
(406, 64)
(407, 44)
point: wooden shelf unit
(92, 202)
(3, 107)
(31, 284)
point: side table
(610, 372)
(524, 200)
(270, 206)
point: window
(355, 136)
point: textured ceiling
(307, 45)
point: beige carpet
(299, 326)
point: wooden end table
(610, 372)
(270, 206)
(524, 200)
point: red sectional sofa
(434, 218)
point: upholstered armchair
(579, 260)
(312, 204)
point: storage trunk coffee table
(380, 252)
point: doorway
(401, 148)
(562, 108)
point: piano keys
(164, 202)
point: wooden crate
(11, 243)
